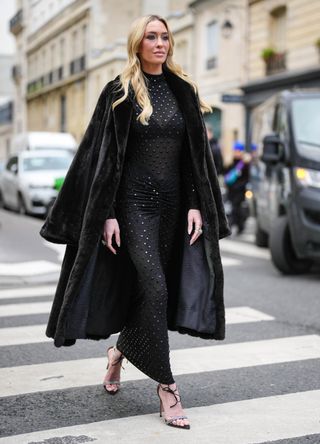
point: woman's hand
(111, 227)
(194, 217)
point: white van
(40, 140)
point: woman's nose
(159, 41)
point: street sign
(232, 98)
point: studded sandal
(108, 381)
(169, 421)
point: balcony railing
(54, 76)
(78, 65)
(276, 63)
(212, 63)
(16, 24)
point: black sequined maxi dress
(156, 171)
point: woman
(132, 210)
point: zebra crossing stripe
(30, 268)
(29, 292)
(243, 249)
(243, 314)
(83, 372)
(255, 420)
(24, 309)
(31, 334)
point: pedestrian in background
(236, 178)
(215, 148)
(140, 192)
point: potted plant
(268, 53)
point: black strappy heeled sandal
(115, 382)
(169, 421)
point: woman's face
(154, 46)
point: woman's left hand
(194, 217)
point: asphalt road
(261, 384)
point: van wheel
(22, 209)
(282, 252)
(261, 237)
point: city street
(261, 384)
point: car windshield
(42, 163)
(306, 126)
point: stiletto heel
(115, 382)
(169, 420)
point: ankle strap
(177, 396)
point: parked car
(286, 179)
(28, 182)
(43, 140)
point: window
(212, 45)
(84, 38)
(278, 29)
(63, 118)
(74, 44)
(52, 61)
(43, 163)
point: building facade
(220, 68)
(284, 49)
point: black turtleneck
(159, 149)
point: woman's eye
(153, 37)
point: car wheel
(261, 237)
(282, 252)
(22, 209)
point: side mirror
(273, 149)
(14, 168)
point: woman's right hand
(111, 227)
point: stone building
(220, 68)
(7, 90)
(67, 50)
(284, 49)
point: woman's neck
(152, 69)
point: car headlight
(307, 178)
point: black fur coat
(95, 287)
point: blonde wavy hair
(132, 72)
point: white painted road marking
(28, 292)
(243, 249)
(30, 268)
(83, 372)
(239, 315)
(230, 262)
(24, 309)
(31, 334)
(241, 422)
